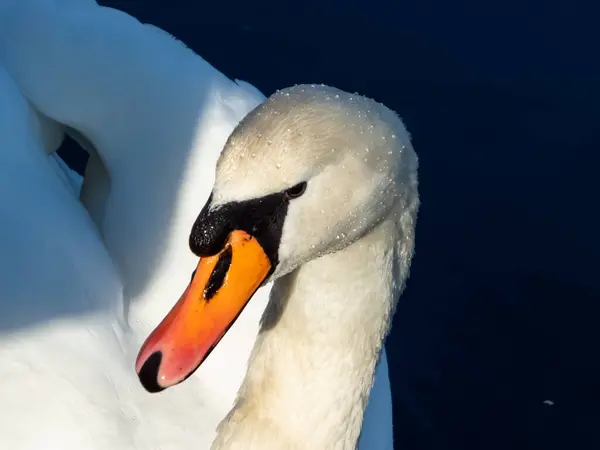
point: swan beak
(219, 290)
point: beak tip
(148, 373)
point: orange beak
(220, 289)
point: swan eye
(296, 191)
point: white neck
(312, 367)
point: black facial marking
(217, 277)
(262, 218)
(211, 229)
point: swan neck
(312, 368)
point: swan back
(158, 119)
(56, 279)
(43, 226)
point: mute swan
(156, 96)
(316, 190)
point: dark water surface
(495, 342)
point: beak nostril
(148, 374)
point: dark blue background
(502, 99)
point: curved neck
(312, 368)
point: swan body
(158, 120)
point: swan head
(306, 173)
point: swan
(158, 125)
(316, 190)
